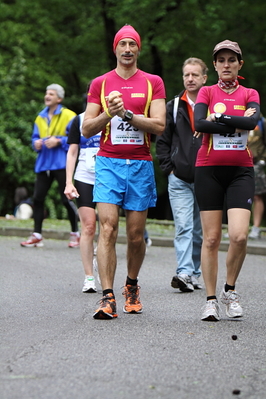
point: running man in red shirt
(127, 105)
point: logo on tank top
(137, 95)
(219, 107)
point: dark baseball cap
(227, 45)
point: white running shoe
(95, 268)
(231, 300)
(148, 242)
(254, 233)
(195, 282)
(211, 311)
(89, 285)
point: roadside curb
(256, 247)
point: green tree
(16, 155)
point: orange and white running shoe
(132, 304)
(107, 309)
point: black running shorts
(85, 191)
(216, 184)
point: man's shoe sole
(197, 286)
(210, 318)
(233, 316)
(132, 311)
(39, 245)
(100, 314)
(90, 291)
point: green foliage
(17, 157)
(16, 154)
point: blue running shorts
(127, 183)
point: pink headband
(127, 32)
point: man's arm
(94, 121)
(155, 123)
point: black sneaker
(174, 282)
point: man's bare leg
(136, 222)
(106, 252)
(106, 256)
(135, 254)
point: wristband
(108, 114)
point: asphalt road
(52, 348)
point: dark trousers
(42, 185)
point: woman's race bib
(124, 133)
(230, 141)
(91, 153)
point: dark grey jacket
(177, 149)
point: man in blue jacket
(49, 140)
(177, 150)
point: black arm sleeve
(74, 132)
(228, 123)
